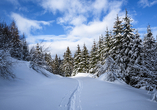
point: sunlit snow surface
(33, 91)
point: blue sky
(63, 23)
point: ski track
(74, 102)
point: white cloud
(26, 25)
(82, 33)
(54, 5)
(147, 3)
(80, 19)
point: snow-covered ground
(33, 91)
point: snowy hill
(33, 91)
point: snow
(84, 75)
(33, 91)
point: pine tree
(116, 43)
(84, 60)
(136, 55)
(60, 66)
(127, 38)
(38, 59)
(25, 50)
(93, 58)
(136, 67)
(5, 37)
(16, 50)
(67, 63)
(106, 44)
(149, 51)
(49, 62)
(77, 60)
(56, 65)
(100, 48)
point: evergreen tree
(127, 39)
(38, 60)
(136, 56)
(25, 50)
(60, 66)
(56, 65)
(106, 44)
(16, 50)
(116, 42)
(93, 58)
(67, 63)
(5, 37)
(77, 60)
(49, 62)
(136, 67)
(100, 48)
(84, 60)
(149, 50)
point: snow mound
(103, 77)
(26, 75)
(84, 75)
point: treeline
(121, 53)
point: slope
(33, 91)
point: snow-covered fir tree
(60, 66)
(16, 50)
(5, 37)
(106, 44)
(149, 48)
(116, 43)
(84, 60)
(136, 64)
(67, 63)
(56, 65)
(25, 50)
(49, 62)
(100, 48)
(127, 39)
(109, 69)
(93, 58)
(38, 60)
(77, 60)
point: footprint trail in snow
(74, 102)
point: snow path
(74, 102)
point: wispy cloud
(26, 25)
(147, 3)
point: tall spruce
(127, 39)
(136, 67)
(77, 60)
(127, 43)
(149, 48)
(116, 43)
(16, 50)
(106, 44)
(100, 48)
(93, 58)
(56, 65)
(84, 60)
(25, 50)
(49, 62)
(67, 63)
